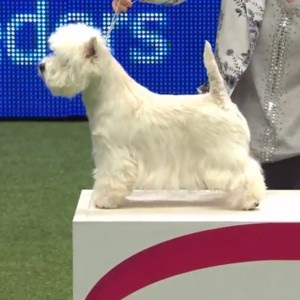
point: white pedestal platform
(183, 248)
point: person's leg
(296, 173)
(279, 175)
(297, 183)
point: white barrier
(187, 249)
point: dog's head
(76, 59)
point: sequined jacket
(237, 34)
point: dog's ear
(90, 49)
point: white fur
(143, 140)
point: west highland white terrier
(144, 140)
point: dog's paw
(250, 205)
(107, 202)
(252, 199)
(243, 202)
(104, 202)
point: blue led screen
(160, 47)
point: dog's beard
(62, 84)
(62, 92)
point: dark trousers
(283, 175)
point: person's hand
(121, 5)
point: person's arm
(121, 5)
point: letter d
(14, 28)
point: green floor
(43, 167)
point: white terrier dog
(143, 140)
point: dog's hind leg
(255, 188)
(250, 188)
(243, 184)
(115, 177)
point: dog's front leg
(114, 176)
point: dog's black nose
(42, 67)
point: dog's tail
(216, 83)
